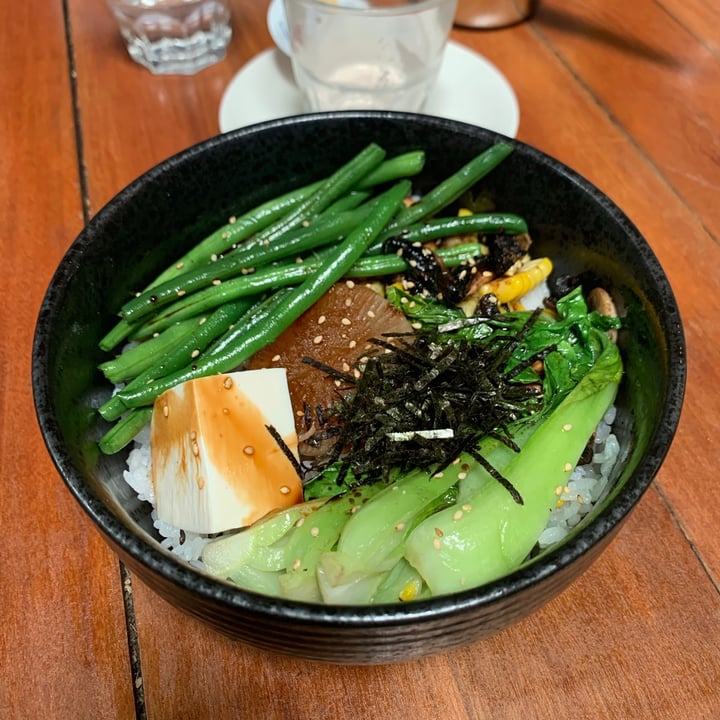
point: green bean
(236, 230)
(241, 344)
(120, 331)
(299, 240)
(462, 224)
(133, 361)
(350, 201)
(395, 168)
(446, 192)
(379, 265)
(344, 179)
(120, 434)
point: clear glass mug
(368, 54)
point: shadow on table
(573, 25)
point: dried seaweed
(421, 402)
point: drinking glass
(174, 36)
(368, 54)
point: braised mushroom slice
(333, 333)
(599, 299)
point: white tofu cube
(215, 465)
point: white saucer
(469, 88)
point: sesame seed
(213, 257)
(439, 532)
(345, 321)
(567, 467)
(370, 313)
(321, 319)
(315, 531)
(195, 449)
(232, 220)
(317, 339)
(202, 320)
(297, 564)
(194, 353)
(467, 507)
(350, 284)
(457, 514)
(356, 373)
(456, 461)
(249, 450)
(266, 242)
(438, 475)
(180, 266)
(352, 344)
(284, 489)
(275, 358)
(299, 522)
(345, 367)
(416, 325)
(226, 411)
(462, 475)
(400, 527)
(558, 490)
(216, 282)
(566, 427)
(306, 223)
(166, 410)
(404, 300)
(580, 500)
(180, 293)
(436, 543)
(348, 302)
(228, 383)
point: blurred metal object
(489, 14)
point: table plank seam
(681, 527)
(125, 578)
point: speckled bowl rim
(160, 561)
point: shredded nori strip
(431, 381)
(285, 449)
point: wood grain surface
(626, 93)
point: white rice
(587, 484)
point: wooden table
(627, 93)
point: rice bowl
(175, 200)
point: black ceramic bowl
(169, 208)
